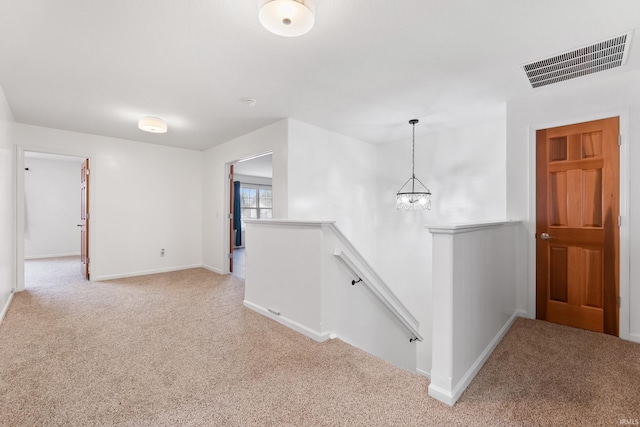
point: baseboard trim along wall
(51, 255)
(634, 337)
(6, 307)
(314, 335)
(213, 269)
(144, 273)
(423, 373)
(450, 398)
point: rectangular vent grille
(579, 62)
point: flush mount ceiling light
(152, 124)
(417, 196)
(287, 18)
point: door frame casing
(624, 261)
(19, 211)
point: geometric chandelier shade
(415, 196)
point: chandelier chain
(413, 158)
(413, 152)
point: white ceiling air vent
(586, 60)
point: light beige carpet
(179, 349)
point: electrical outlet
(162, 252)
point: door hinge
(88, 260)
(87, 171)
(619, 302)
(230, 176)
(230, 216)
(230, 255)
(619, 221)
(619, 140)
(87, 217)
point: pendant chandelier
(417, 196)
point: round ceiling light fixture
(152, 124)
(287, 18)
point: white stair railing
(382, 292)
(296, 275)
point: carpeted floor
(179, 349)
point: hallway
(51, 271)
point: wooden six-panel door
(577, 226)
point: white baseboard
(423, 373)
(314, 335)
(143, 273)
(213, 269)
(6, 307)
(451, 397)
(51, 255)
(442, 395)
(634, 337)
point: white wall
(7, 204)
(143, 197)
(474, 301)
(465, 170)
(52, 207)
(333, 177)
(292, 289)
(317, 175)
(588, 98)
(215, 196)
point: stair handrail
(375, 284)
(367, 275)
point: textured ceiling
(364, 70)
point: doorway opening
(55, 239)
(251, 181)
